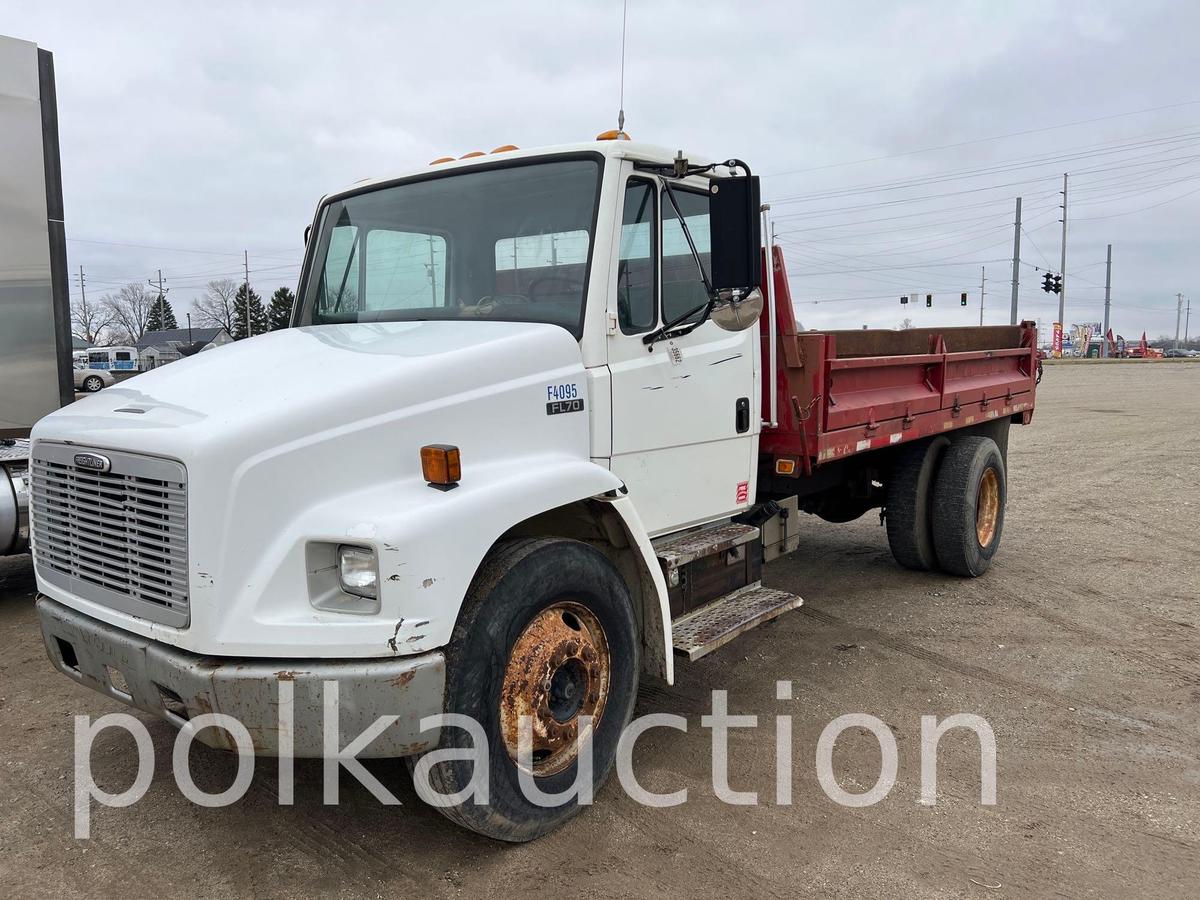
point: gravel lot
(1080, 647)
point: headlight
(357, 570)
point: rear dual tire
(909, 504)
(968, 502)
(945, 505)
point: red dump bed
(847, 392)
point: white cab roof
(642, 152)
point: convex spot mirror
(738, 315)
(735, 222)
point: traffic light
(929, 300)
(1048, 283)
(962, 300)
(1058, 284)
(904, 301)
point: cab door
(685, 409)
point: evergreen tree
(162, 316)
(258, 314)
(280, 312)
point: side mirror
(735, 223)
(740, 314)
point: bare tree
(216, 307)
(90, 319)
(130, 308)
(905, 324)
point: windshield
(510, 243)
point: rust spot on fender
(403, 679)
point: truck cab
(514, 466)
(584, 239)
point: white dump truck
(545, 414)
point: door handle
(741, 415)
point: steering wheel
(487, 303)
(571, 285)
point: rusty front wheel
(557, 679)
(546, 635)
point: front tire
(547, 631)
(969, 496)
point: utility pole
(982, 282)
(246, 263)
(1107, 302)
(189, 315)
(1062, 294)
(1016, 279)
(1187, 321)
(162, 296)
(1178, 317)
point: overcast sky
(203, 131)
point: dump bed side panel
(847, 392)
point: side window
(682, 286)
(405, 270)
(637, 309)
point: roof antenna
(621, 106)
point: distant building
(157, 348)
(78, 344)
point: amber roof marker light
(441, 466)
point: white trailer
(35, 336)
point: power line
(75, 240)
(855, 162)
(1017, 164)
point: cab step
(701, 631)
(677, 551)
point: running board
(701, 631)
(677, 551)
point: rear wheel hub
(987, 507)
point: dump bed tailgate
(847, 392)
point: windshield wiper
(668, 330)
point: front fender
(429, 544)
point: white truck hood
(300, 381)
(314, 435)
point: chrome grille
(116, 537)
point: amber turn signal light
(440, 465)
(785, 467)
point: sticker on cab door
(563, 398)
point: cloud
(217, 128)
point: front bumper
(176, 686)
